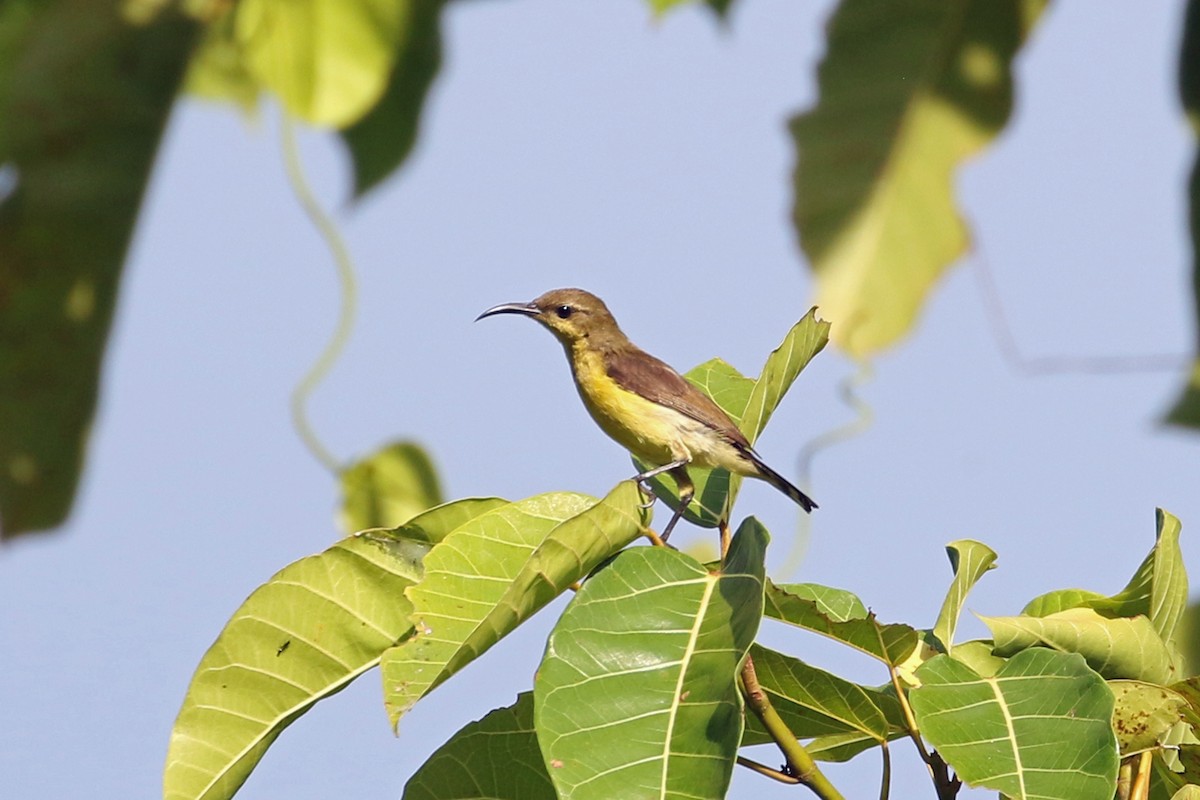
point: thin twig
(349, 298)
(800, 764)
(770, 772)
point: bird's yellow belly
(655, 433)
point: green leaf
(969, 560)
(909, 90)
(497, 571)
(1116, 648)
(496, 757)
(637, 694)
(977, 654)
(1145, 714)
(381, 141)
(76, 147)
(304, 635)
(838, 605)
(1158, 589)
(802, 343)
(814, 702)
(750, 404)
(328, 61)
(388, 488)
(839, 747)
(890, 643)
(1006, 732)
(1189, 792)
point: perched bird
(641, 402)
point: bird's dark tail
(779, 482)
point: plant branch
(1141, 782)
(1125, 779)
(885, 785)
(800, 764)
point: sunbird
(641, 402)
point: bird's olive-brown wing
(643, 374)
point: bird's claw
(645, 488)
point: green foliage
(496, 757)
(995, 731)
(665, 635)
(908, 91)
(969, 560)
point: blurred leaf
(84, 96)
(388, 488)
(1186, 411)
(381, 141)
(304, 635)
(1158, 589)
(814, 702)
(719, 7)
(496, 758)
(1116, 648)
(909, 90)
(969, 560)
(1145, 714)
(749, 403)
(1189, 792)
(994, 731)
(497, 571)
(328, 61)
(891, 643)
(637, 694)
(218, 70)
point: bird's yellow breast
(654, 432)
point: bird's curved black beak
(528, 309)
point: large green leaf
(496, 757)
(1186, 411)
(492, 574)
(307, 633)
(1158, 589)
(76, 147)
(381, 141)
(637, 694)
(1127, 647)
(969, 560)
(808, 606)
(750, 404)
(1008, 732)
(814, 702)
(388, 488)
(909, 89)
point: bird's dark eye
(564, 311)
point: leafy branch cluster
(652, 683)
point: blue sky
(588, 144)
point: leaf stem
(1141, 783)
(800, 764)
(885, 787)
(349, 298)
(1125, 779)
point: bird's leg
(686, 492)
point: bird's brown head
(572, 315)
